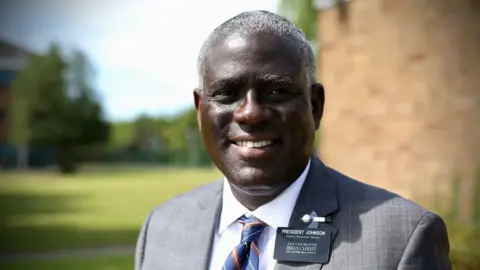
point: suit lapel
(202, 230)
(185, 242)
(318, 194)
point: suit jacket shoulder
(364, 197)
(385, 227)
(189, 201)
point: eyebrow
(267, 78)
(271, 78)
(225, 81)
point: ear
(317, 98)
(197, 97)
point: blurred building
(402, 82)
(12, 59)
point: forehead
(254, 55)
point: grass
(44, 211)
(101, 263)
(105, 206)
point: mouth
(254, 144)
(256, 148)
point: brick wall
(402, 81)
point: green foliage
(302, 13)
(184, 124)
(454, 207)
(476, 199)
(121, 135)
(464, 244)
(54, 104)
(168, 140)
(464, 236)
(86, 112)
(21, 99)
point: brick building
(12, 59)
(403, 92)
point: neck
(254, 197)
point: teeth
(256, 144)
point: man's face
(258, 110)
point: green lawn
(44, 211)
(101, 263)
(105, 206)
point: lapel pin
(308, 218)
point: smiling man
(278, 206)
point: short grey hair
(259, 21)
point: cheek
(299, 122)
(297, 113)
(215, 122)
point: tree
(145, 129)
(21, 98)
(41, 81)
(303, 14)
(55, 105)
(84, 123)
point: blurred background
(97, 124)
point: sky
(144, 52)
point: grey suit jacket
(376, 229)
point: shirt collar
(269, 213)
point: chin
(255, 178)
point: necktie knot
(252, 229)
(246, 254)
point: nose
(250, 111)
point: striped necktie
(246, 254)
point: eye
(224, 93)
(276, 91)
(224, 96)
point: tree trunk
(402, 81)
(66, 159)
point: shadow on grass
(123, 262)
(22, 232)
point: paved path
(67, 254)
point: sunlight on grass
(87, 209)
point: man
(279, 207)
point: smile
(256, 149)
(254, 144)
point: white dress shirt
(275, 214)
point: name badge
(303, 245)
